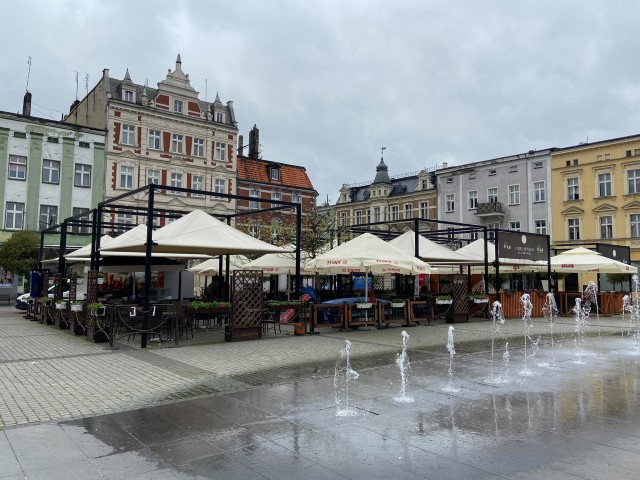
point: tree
(19, 254)
(617, 278)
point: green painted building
(51, 171)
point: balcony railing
(490, 208)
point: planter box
(397, 305)
(61, 306)
(96, 335)
(444, 302)
(480, 300)
(76, 308)
(364, 305)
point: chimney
(445, 164)
(75, 103)
(240, 142)
(26, 104)
(254, 142)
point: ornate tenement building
(166, 136)
(398, 198)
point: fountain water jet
(498, 319)
(590, 297)
(505, 358)
(527, 308)
(343, 374)
(581, 323)
(550, 312)
(452, 351)
(402, 360)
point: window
(450, 180)
(515, 226)
(635, 225)
(82, 177)
(296, 198)
(84, 144)
(450, 202)
(125, 218)
(82, 225)
(198, 147)
(220, 117)
(604, 184)
(197, 183)
(176, 143)
(220, 154)
(154, 139)
(376, 214)
(14, 216)
(53, 140)
(128, 135)
(368, 215)
(634, 181)
(20, 134)
(408, 211)
(573, 189)
(177, 106)
(254, 204)
(176, 181)
(574, 228)
(492, 195)
(537, 164)
(359, 217)
(275, 174)
(50, 171)
(153, 177)
(343, 219)
(541, 227)
(473, 199)
(424, 209)
(126, 176)
(276, 196)
(394, 212)
(219, 186)
(48, 216)
(514, 194)
(539, 192)
(491, 234)
(606, 227)
(472, 176)
(513, 168)
(254, 230)
(128, 96)
(636, 152)
(17, 167)
(473, 235)
(492, 173)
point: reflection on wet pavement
(576, 421)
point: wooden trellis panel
(247, 302)
(460, 294)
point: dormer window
(275, 173)
(220, 117)
(128, 96)
(177, 106)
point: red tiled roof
(257, 170)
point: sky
(330, 82)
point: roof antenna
(28, 71)
(76, 84)
(382, 149)
(86, 82)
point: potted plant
(97, 309)
(61, 304)
(101, 277)
(444, 300)
(363, 304)
(76, 306)
(479, 298)
(397, 303)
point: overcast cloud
(330, 82)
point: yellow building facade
(595, 192)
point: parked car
(21, 300)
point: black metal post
(549, 263)
(98, 237)
(416, 237)
(41, 251)
(147, 269)
(63, 248)
(486, 261)
(298, 240)
(496, 264)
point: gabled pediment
(605, 208)
(178, 161)
(572, 211)
(220, 169)
(635, 205)
(177, 201)
(126, 154)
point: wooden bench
(5, 297)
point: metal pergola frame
(111, 206)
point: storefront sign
(614, 252)
(523, 246)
